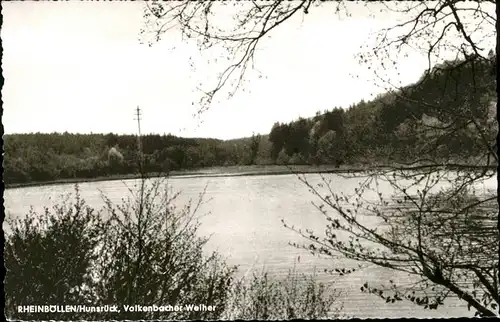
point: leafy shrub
(154, 256)
(297, 158)
(48, 256)
(143, 251)
(296, 296)
(283, 158)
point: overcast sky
(79, 67)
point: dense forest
(386, 129)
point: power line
(138, 118)
(139, 145)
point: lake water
(245, 223)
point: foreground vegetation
(435, 227)
(143, 251)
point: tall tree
(254, 147)
(297, 139)
(278, 138)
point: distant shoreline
(213, 172)
(230, 171)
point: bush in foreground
(142, 251)
(294, 296)
(48, 256)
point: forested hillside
(391, 128)
(395, 127)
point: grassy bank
(205, 172)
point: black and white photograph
(250, 160)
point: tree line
(39, 157)
(387, 129)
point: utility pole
(139, 145)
